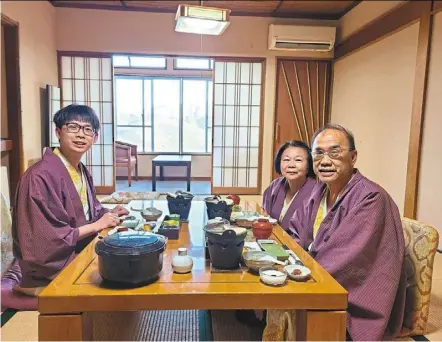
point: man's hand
(120, 210)
(108, 220)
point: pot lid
(218, 200)
(131, 243)
(219, 225)
(180, 194)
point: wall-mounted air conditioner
(301, 38)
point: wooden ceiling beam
(278, 6)
(245, 11)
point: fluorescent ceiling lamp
(201, 20)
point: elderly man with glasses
(56, 212)
(352, 227)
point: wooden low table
(63, 305)
(170, 160)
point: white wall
(372, 96)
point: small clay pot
(262, 229)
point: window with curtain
(164, 114)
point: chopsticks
(293, 258)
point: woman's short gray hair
(348, 134)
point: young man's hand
(120, 210)
(108, 220)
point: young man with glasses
(352, 227)
(56, 212)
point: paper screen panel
(89, 81)
(236, 127)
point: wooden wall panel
(391, 22)
(13, 99)
(417, 116)
(302, 97)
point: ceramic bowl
(272, 276)
(297, 272)
(251, 259)
(127, 217)
(132, 224)
(151, 214)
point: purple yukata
(274, 197)
(361, 244)
(45, 233)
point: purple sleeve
(369, 225)
(299, 225)
(365, 254)
(267, 199)
(97, 209)
(46, 241)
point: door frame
(13, 99)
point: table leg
(161, 172)
(70, 327)
(188, 176)
(321, 325)
(154, 177)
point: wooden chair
(126, 156)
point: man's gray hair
(348, 134)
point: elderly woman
(287, 193)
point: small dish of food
(254, 260)
(149, 214)
(127, 218)
(119, 229)
(272, 276)
(297, 272)
(132, 224)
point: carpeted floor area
(168, 325)
(225, 327)
(196, 187)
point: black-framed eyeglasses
(334, 153)
(72, 127)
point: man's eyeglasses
(72, 127)
(334, 153)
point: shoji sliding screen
(89, 81)
(237, 126)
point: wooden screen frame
(49, 114)
(242, 190)
(101, 190)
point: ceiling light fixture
(201, 20)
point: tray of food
(170, 227)
(246, 218)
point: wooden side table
(170, 160)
